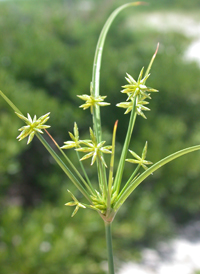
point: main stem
(109, 248)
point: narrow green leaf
(97, 64)
(150, 170)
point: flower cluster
(75, 143)
(76, 203)
(92, 101)
(93, 149)
(140, 160)
(137, 91)
(33, 125)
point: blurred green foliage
(46, 56)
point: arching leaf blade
(150, 170)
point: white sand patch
(187, 24)
(180, 255)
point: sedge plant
(109, 196)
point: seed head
(33, 125)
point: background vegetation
(46, 55)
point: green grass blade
(97, 66)
(100, 45)
(150, 170)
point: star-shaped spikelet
(33, 125)
(140, 160)
(75, 143)
(92, 101)
(135, 88)
(140, 102)
(76, 203)
(94, 149)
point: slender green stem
(10, 103)
(109, 248)
(64, 167)
(100, 179)
(89, 186)
(130, 180)
(103, 178)
(102, 175)
(111, 170)
(85, 173)
(121, 164)
(77, 172)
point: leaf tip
(156, 49)
(140, 3)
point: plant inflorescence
(108, 197)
